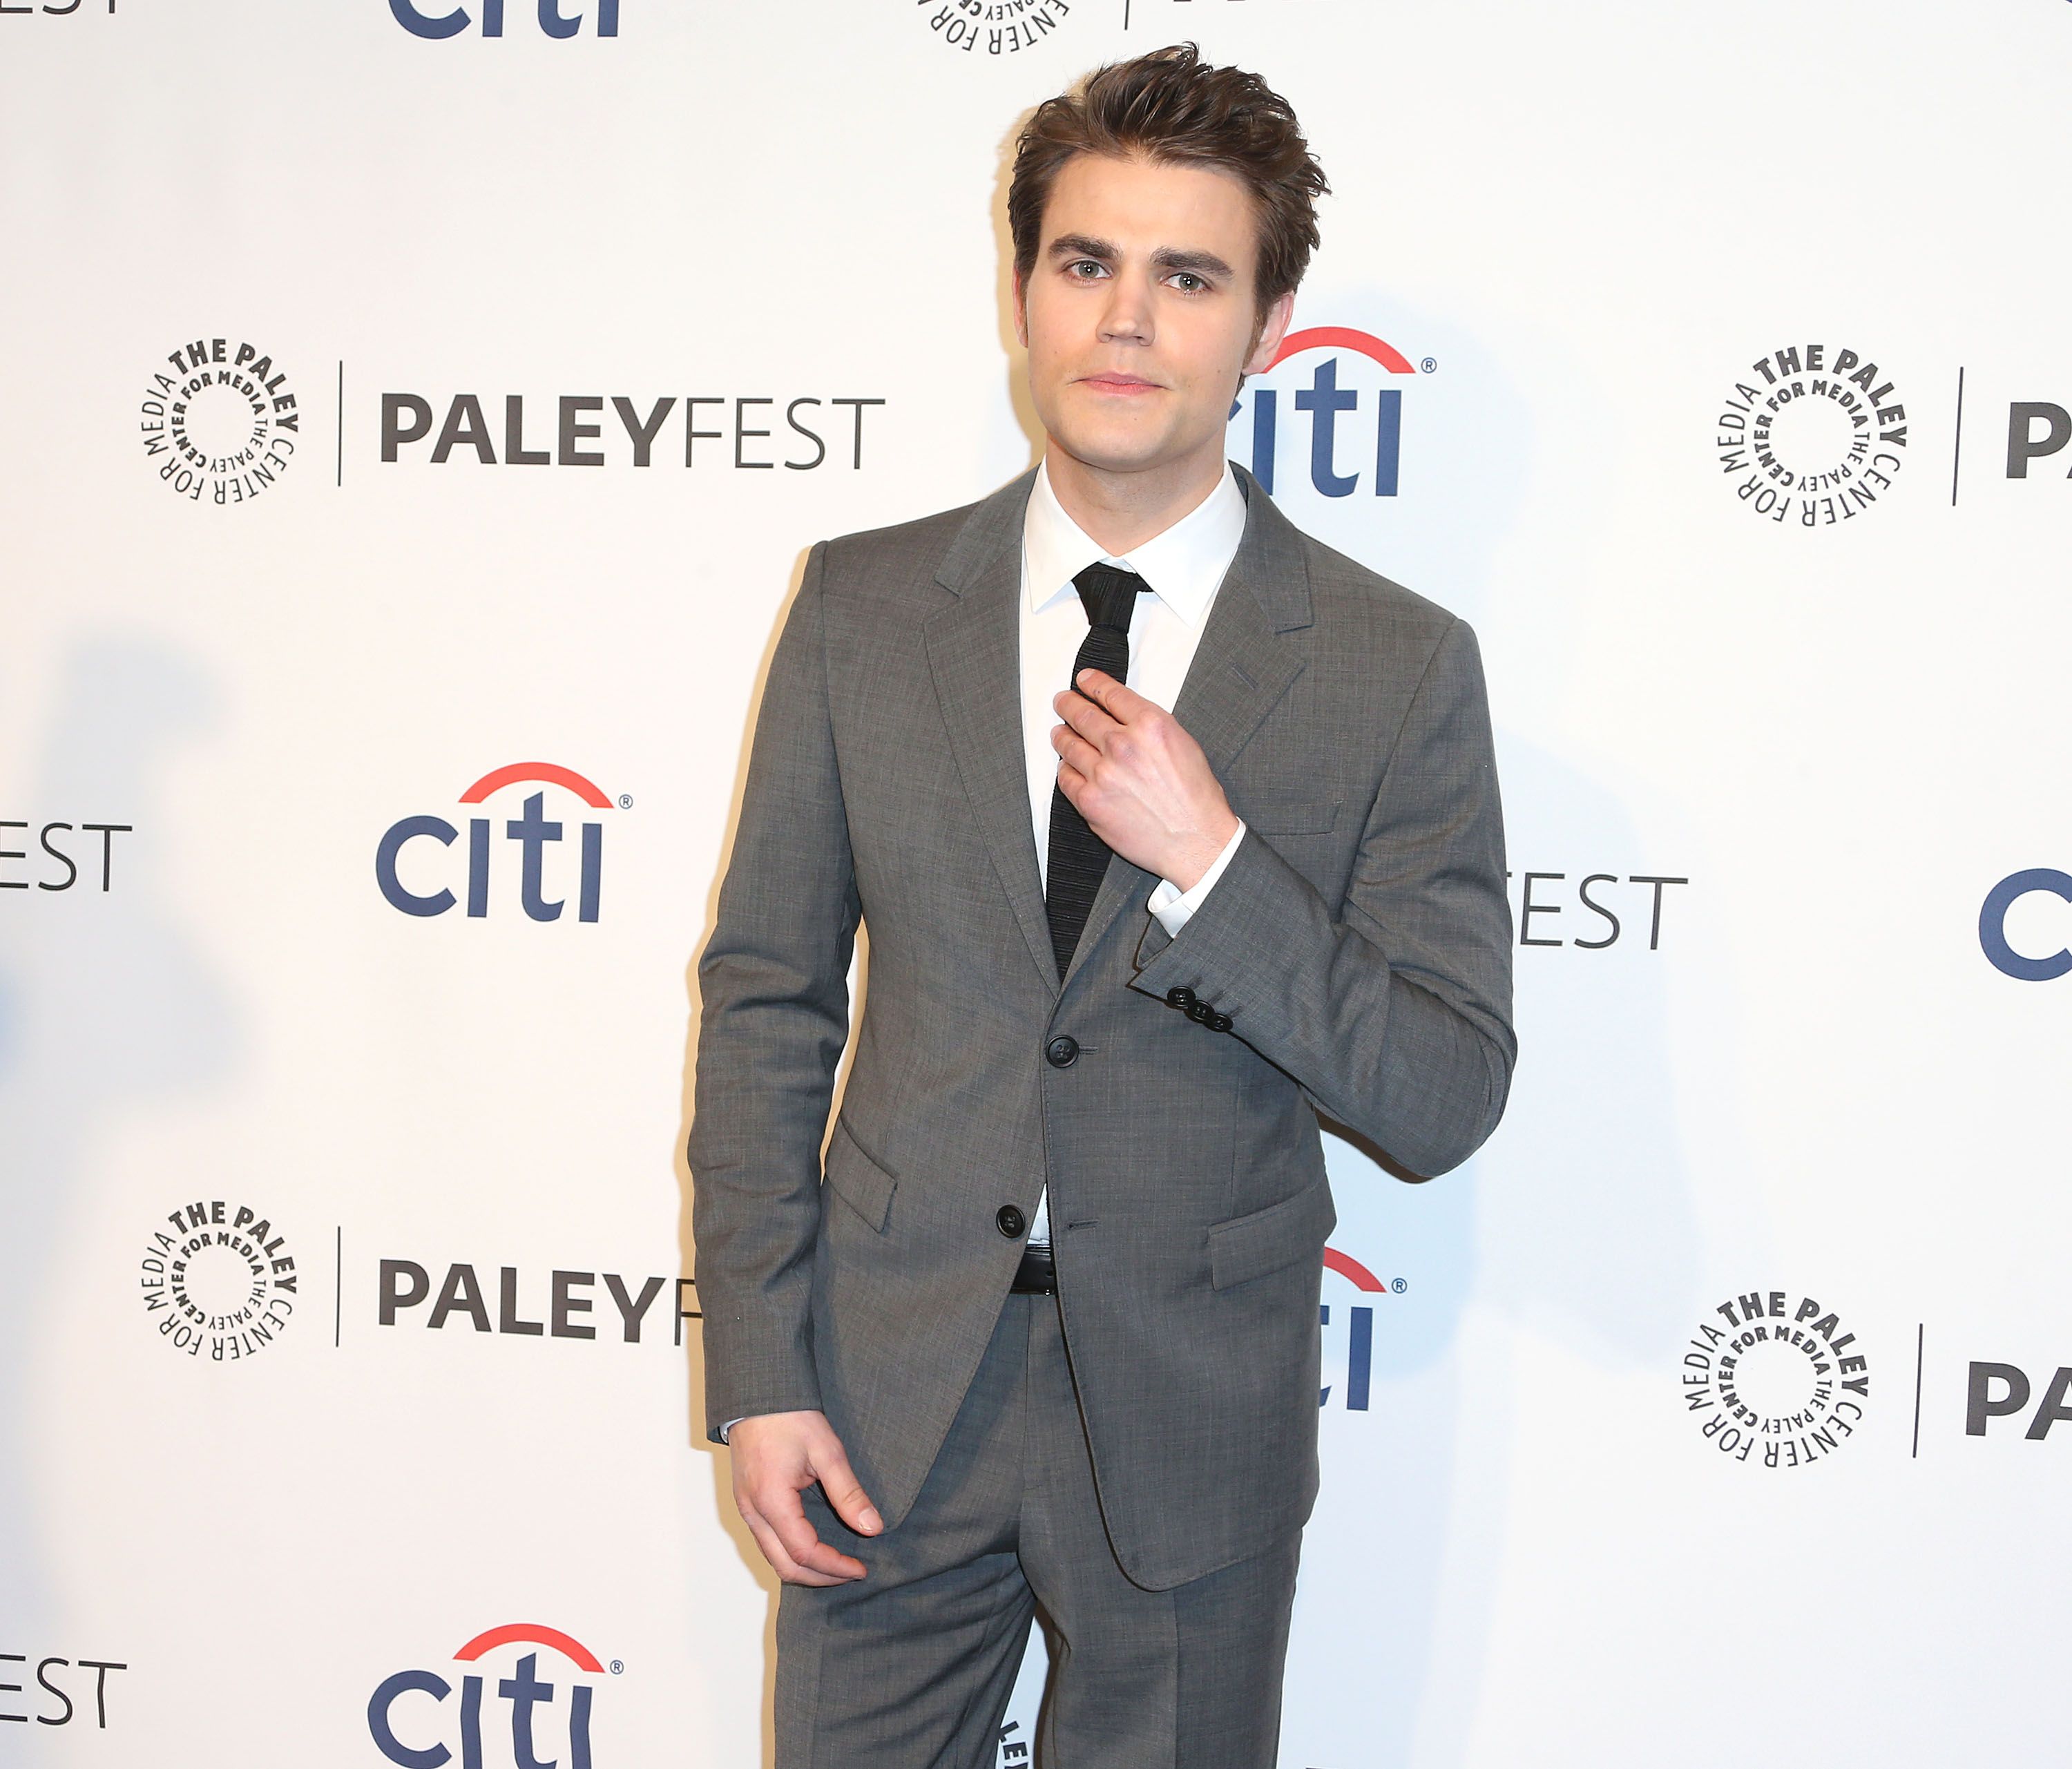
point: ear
(1278, 311)
(1020, 312)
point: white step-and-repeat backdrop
(413, 418)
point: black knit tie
(1078, 858)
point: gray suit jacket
(1359, 941)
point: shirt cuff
(1173, 906)
(725, 1429)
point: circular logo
(222, 425)
(1815, 437)
(218, 1280)
(1775, 1379)
(994, 27)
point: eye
(1188, 281)
(1077, 265)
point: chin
(1114, 450)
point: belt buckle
(1037, 1275)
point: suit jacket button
(1179, 996)
(1201, 1013)
(1011, 1222)
(1220, 1023)
(1060, 1053)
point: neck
(1119, 511)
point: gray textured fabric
(1359, 941)
(911, 1666)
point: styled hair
(1172, 108)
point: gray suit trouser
(912, 1666)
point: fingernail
(871, 1520)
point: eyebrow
(1083, 245)
(1168, 258)
(1165, 258)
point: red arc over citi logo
(534, 833)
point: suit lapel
(975, 659)
(1241, 667)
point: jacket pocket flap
(858, 1180)
(1296, 1227)
(1296, 816)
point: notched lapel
(974, 647)
(1241, 667)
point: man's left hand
(1140, 781)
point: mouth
(1122, 386)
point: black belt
(1038, 1274)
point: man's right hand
(776, 1456)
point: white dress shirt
(1182, 568)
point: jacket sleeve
(1393, 1012)
(773, 983)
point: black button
(1061, 1053)
(1201, 1013)
(1220, 1023)
(1011, 1222)
(1179, 996)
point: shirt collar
(1182, 566)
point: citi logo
(406, 878)
(421, 23)
(2001, 951)
(395, 1722)
(1358, 1319)
(1342, 385)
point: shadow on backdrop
(1575, 1225)
(107, 1008)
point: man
(1169, 825)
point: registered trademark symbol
(1399, 1285)
(1428, 364)
(618, 1665)
(626, 801)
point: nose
(1127, 317)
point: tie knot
(1109, 594)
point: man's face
(1139, 314)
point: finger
(1118, 698)
(1073, 749)
(787, 1517)
(1085, 716)
(845, 1492)
(773, 1550)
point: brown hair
(1171, 107)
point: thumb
(845, 1491)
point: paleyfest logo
(993, 27)
(223, 424)
(1779, 1376)
(1816, 437)
(219, 1279)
